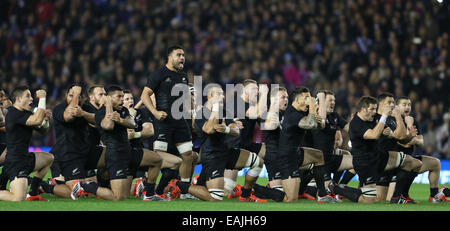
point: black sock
(311, 190)
(202, 179)
(184, 186)
(412, 176)
(319, 173)
(102, 182)
(268, 193)
(306, 177)
(167, 175)
(402, 182)
(90, 187)
(246, 192)
(35, 182)
(140, 173)
(48, 188)
(60, 182)
(3, 180)
(352, 194)
(446, 192)
(149, 188)
(348, 176)
(337, 176)
(433, 191)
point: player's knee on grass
(18, 188)
(229, 184)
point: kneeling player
(120, 158)
(431, 164)
(72, 147)
(144, 129)
(291, 156)
(368, 161)
(19, 163)
(216, 156)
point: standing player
(170, 131)
(19, 163)
(216, 154)
(291, 156)
(431, 164)
(368, 161)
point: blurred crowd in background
(353, 47)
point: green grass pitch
(419, 192)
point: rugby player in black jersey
(431, 164)
(247, 108)
(170, 131)
(4, 104)
(121, 160)
(300, 116)
(71, 149)
(19, 163)
(368, 161)
(96, 157)
(144, 129)
(217, 154)
(271, 131)
(395, 130)
(324, 139)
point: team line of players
(103, 144)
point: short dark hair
(18, 92)
(92, 88)
(326, 92)
(73, 85)
(126, 91)
(113, 89)
(365, 101)
(298, 91)
(402, 98)
(384, 95)
(172, 48)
